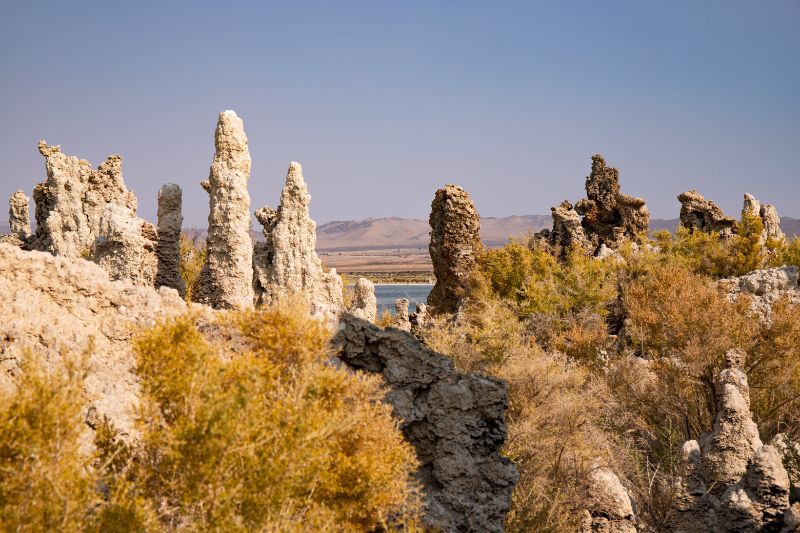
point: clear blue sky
(382, 102)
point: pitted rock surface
(730, 481)
(226, 281)
(286, 263)
(699, 214)
(71, 201)
(604, 219)
(56, 305)
(401, 319)
(768, 215)
(168, 250)
(454, 247)
(764, 287)
(609, 505)
(365, 304)
(125, 246)
(19, 217)
(455, 422)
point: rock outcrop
(168, 250)
(604, 219)
(286, 263)
(699, 214)
(57, 306)
(609, 506)
(401, 318)
(455, 422)
(764, 288)
(768, 215)
(365, 304)
(226, 281)
(730, 481)
(71, 201)
(454, 247)
(19, 218)
(125, 246)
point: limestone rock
(731, 482)
(764, 287)
(455, 422)
(401, 318)
(168, 250)
(768, 215)
(610, 508)
(125, 246)
(602, 220)
(454, 247)
(700, 214)
(57, 305)
(226, 281)
(287, 262)
(19, 218)
(70, 203)
(365, 305)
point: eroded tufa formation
(365, 304)
(125, 246)
(455, 245)
(605, 218)
(286, 263)
(19, 218)
(455, 422)
(71, 201)
(768, 215)
(226, 281)
(730, 481)
(168, 250)
(700, 214)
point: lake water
(387, 294)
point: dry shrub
(272, 439)
(193, 255)
(45, 482)
(685, 325)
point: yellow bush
(266, 436)
(193, 255)
(45, 482)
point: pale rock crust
(730, 481)
(287, 262)
(604, 219)
(57, 306)
(764, 287)
(19, 218)
(454, 247)
(365, 304)
(700, 214)
(454, 421)
(226, 281)
(609, 506)
(70, 202)
(401, 318)
(168, 250)
(768, 215)
(125, 246)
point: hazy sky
(382, 102)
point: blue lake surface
(387, 294)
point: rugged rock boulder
(168, 250)
(125, 246)
(609, 506)
(768, 215)
(71, 201)
(455, 422)
(19, 218)
(700, 214)
(286, 263)
(604, 219)
(401, 319)
(365, 305)
(764, 288)
(454, 247)
(730, 481)
(226, 281)
(60, 306)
